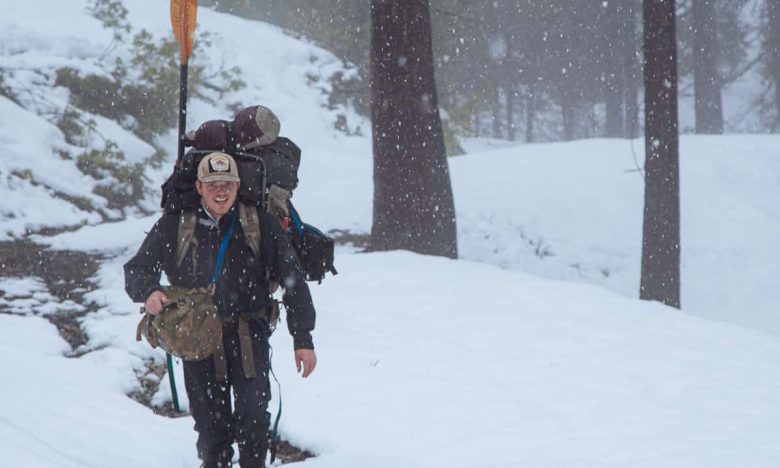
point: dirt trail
(66, 274)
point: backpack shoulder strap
(250, 223)
(185, 237)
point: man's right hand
(155, 302)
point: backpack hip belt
(270, 315)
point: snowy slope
(530, 351)
(37, 163)
(574, 211)
(431, 362)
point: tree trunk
(706, 77)
(510, 115)
(632, 107)
(497, 113)
(632, 70)
(567, 116)
(660, 279)
(614, 105)
(529, 116)
(613, 75)
(772, 50)
(413, 204)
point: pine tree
(772, 53)
(660, 279)
(706, 77)
(413, 205)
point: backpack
(269, 174)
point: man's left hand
(306, 361)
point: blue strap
(222, 251)
(296, 220)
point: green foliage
(123, 184)
(157, 159)
(457, 123)
(148, 104)
(143, 95)
(140, 93)
(75, 126)
(112, 14)
(451, 139)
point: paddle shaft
(183, 73)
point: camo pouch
(188, 327)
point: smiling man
(257, 253)
(217, 184)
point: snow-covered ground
(431, 362)
(530, 351)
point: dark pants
(216, 423)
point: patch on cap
(216, 167)
(219, 163)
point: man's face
(217, 196)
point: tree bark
(772, 50)
(413, 203)
(614, 105)
(497, 113)
(510, 114)
(530, 109)
(567, 116)
(632, 106)
(706, 77)
(632, 69)
(613, 74)
(660, 278)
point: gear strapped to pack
(185, 240)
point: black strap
(230, 138)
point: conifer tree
(413, 205)
(707, 80)
(660, 278)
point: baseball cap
(217, 167)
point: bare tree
(706, 77)
(660, 279)
(413, 205)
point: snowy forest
(558, 70)
(534, 233)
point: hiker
(241, 293)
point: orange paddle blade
(183, 17)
